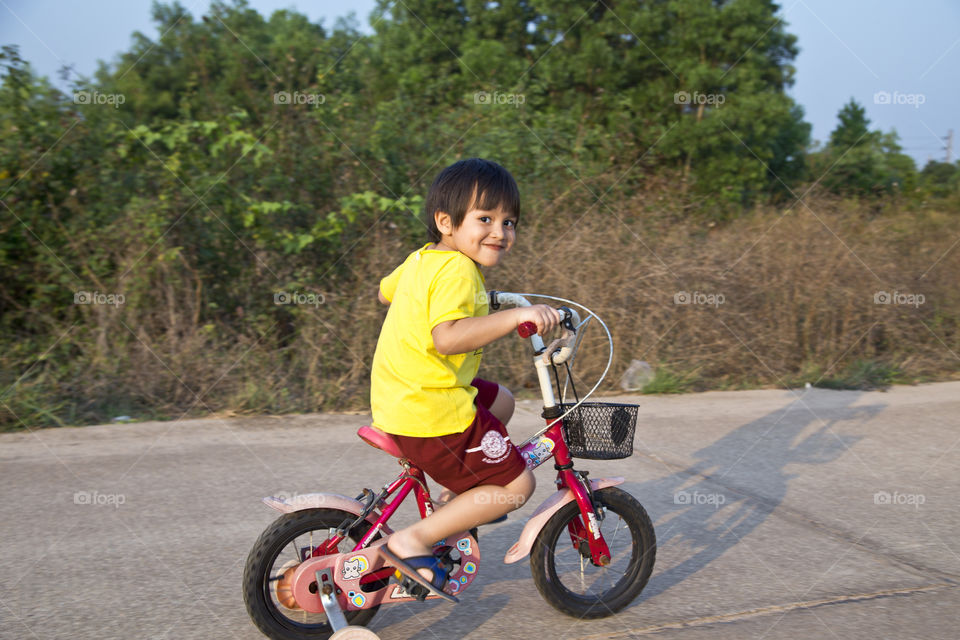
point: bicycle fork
(585, 534)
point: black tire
(271, 617)
(601, 593)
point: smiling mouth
(496, 247)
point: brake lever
(562, 348)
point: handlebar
(527, 329)
(560, 350)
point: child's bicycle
(317, 570)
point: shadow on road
(745, 480)
(485, 608)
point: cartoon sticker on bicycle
(354, 567)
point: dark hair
(472, 183)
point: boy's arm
(469, 334)
(380, 297)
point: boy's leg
(471, 508)
(502, 408)
(481, 462)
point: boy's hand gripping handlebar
(557, 352)
(562, 349)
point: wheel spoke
(296, 550)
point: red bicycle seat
(379, 439)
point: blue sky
(907, 52)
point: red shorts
(483, 454)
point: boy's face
(484, 236)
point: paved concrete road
(778, 515)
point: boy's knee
(503, 405)
(522, 486)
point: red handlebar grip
(527, 329)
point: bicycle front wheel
(564, 573)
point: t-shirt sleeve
(453, 294)
(388, 286)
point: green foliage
(863, 375)
(666, 381)
(858, 161)
(941, 179)
(229, 157)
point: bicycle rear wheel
(564, 573)
(289, 540)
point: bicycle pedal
(413, 589)
(418, 592)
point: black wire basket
(601, 430)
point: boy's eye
(510, 223)
(484, 219)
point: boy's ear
(444, 222)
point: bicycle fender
(323, 501)
(521, 548)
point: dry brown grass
(798, 288)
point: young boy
(424, 390)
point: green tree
(853, 129)
(858, 161)
(940, 179)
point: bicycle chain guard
(352, 570)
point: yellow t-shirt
(414, 390)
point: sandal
(406, 571)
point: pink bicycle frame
(551, 444)
(412, 479)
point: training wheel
(353, 632)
